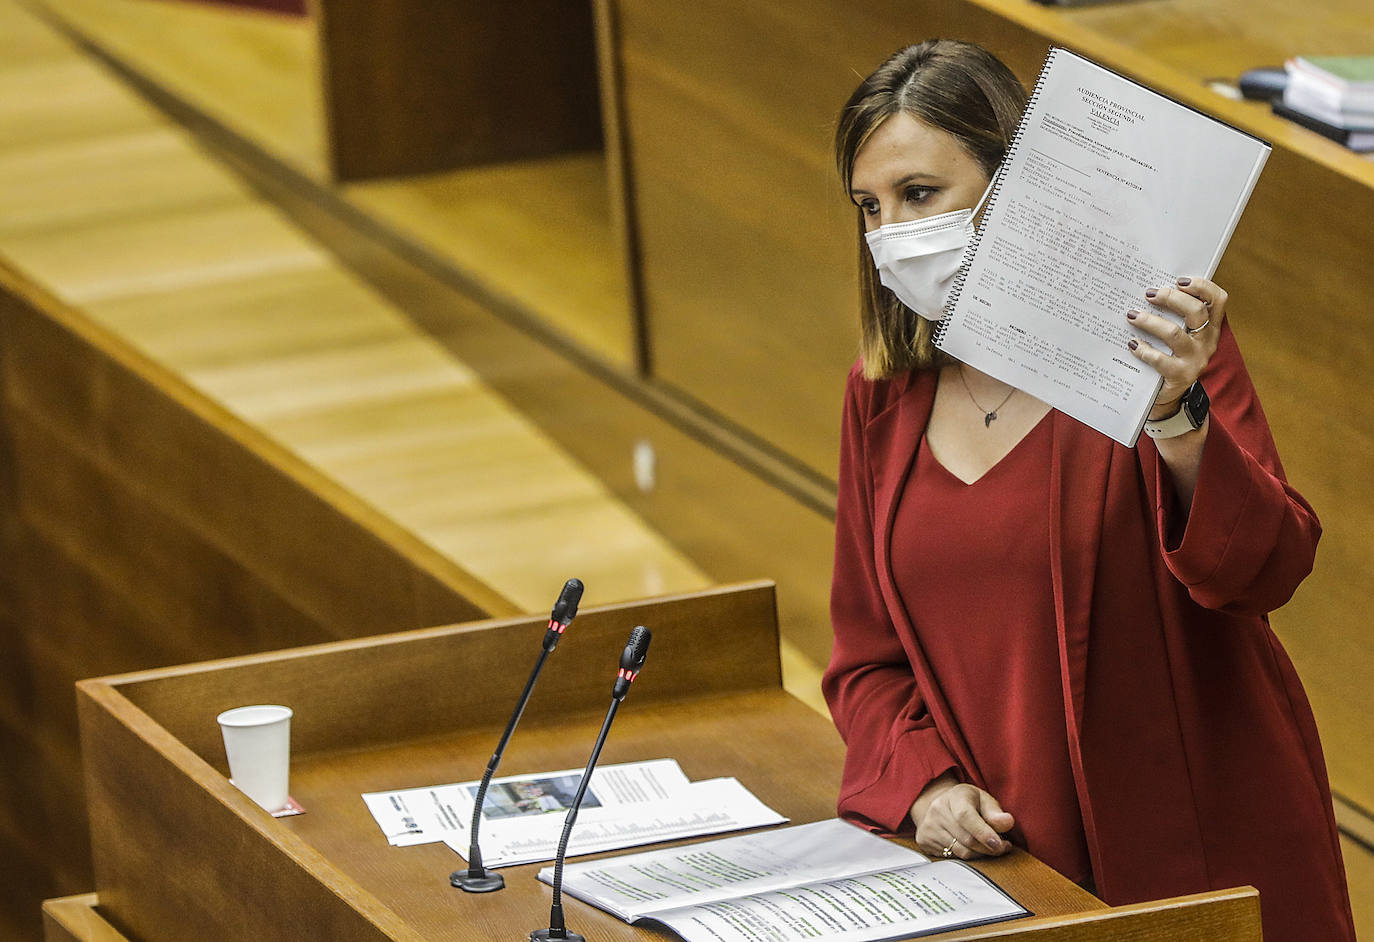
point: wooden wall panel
(76, 919)
(747, 242)
(720, 502)
(746, 257)
(419, 85)
(140, 526)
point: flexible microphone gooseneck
(631, 662)
(477, 878)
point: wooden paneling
(142, 171)
(716, 492)
(717, 497)
(47, 97)
(1227, 916)
(419, 85)
(257, 72)
(76, 919)
(1218, 917)
(745, 252)
(711, 643)
(362, 89)
(257, 503)
(1225, 37)
(539, 232)
(141, 525)
(746, 242)
(621, 202)
(1359, 869)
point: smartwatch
(1192, 412)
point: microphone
(477, 878)
(564, 611)
(631, 662)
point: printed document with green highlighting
(828, 880)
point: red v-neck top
(971, 563)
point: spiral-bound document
(1108, 189)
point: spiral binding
(957, 289)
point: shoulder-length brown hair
(960, 88)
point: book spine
(942, 326)
(1312, 123)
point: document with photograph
(828, 880)
(626, 805)
(430, 814)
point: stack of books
(1332, 95)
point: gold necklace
(988, 416)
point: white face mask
(918, 260)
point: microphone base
(541, 935)
(483, 881)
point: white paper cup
(257, 740)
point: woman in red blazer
(1043, 637)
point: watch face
(1196, 404)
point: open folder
(828, 880)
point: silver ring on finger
(1190, 331)
(948, 850)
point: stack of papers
(1332, 95)
(626, 805)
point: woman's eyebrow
(918, 175)
(915, 176)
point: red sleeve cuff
(883, 803)
(1237, 515)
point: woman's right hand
(963, 818)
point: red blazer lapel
(1078, 466)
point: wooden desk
(424, 707)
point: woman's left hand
(1202, 305)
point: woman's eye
(919, 194)
(869, 207)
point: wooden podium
(181, 854)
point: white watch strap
(1172, 427)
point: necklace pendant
(988, 419)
